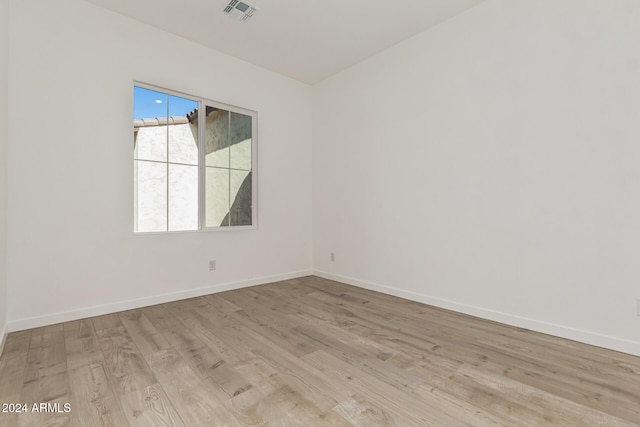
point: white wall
(490, 165)
(72, 252)
(4, 79)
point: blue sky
(150, 103)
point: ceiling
(308, 40)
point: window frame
(203, 103)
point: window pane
(217, 196)
(150, 189)
(149, 124)
(241, 209)
(149, 103)
(217, 138)
(240, 155)
(183, 197)
(183, 135)
(151, 143)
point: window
(192, 171)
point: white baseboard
(3, 337)
(98, 310)
(587, 337)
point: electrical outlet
(212, 265)
(332, 257)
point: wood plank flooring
(309, 352)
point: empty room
(301, 213)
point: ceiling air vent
(239, 11)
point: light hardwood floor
(310, 352)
